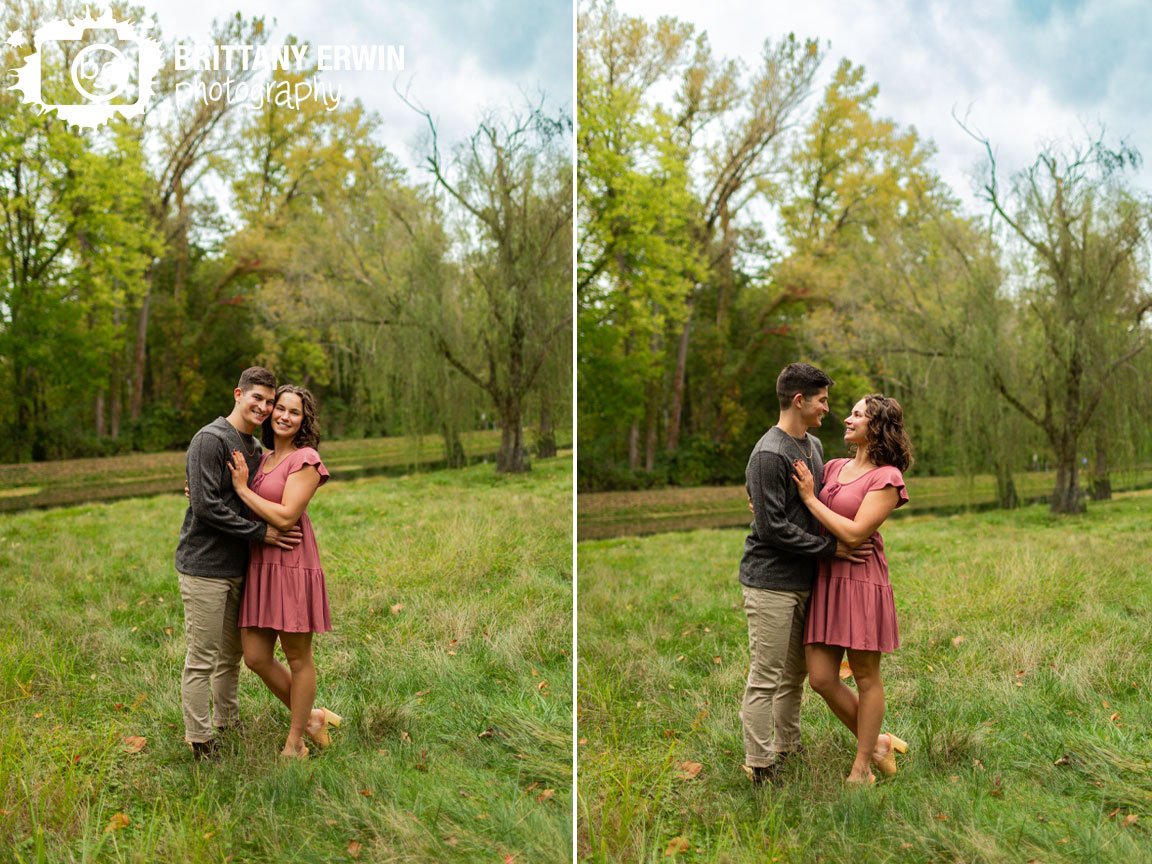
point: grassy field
(76, 481)
(617, 514)
(1023, 685)
(450, 661)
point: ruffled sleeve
(889, 475)
(308, 456)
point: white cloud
(1023, 75)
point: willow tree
(1079, 234)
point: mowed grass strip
(451, 596)
(75, 481)
(1022, 684)
(617, 514)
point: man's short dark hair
(256, 376)
(800, 378)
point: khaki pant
(771, 708)
(212, 664)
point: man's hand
(857, 556)
(289, 539)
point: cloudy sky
(459, 58)
(1024, 72)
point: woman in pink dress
(851, 608)
(284, 594)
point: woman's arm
(298, 491)
(874, 509)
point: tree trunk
(650, 422)
(454, 454)
(674, 420)
(117, 408)
(101, 425)
(139, 358)
(1006, 493)
(1066, 496)
(513, 458)
(634, 445)
(1102, 475)
(546, 442)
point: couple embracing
(248, 563)
(812, 595)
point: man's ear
(237, 393)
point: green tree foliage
(1080, 232)
(144, 264)
(675, 148)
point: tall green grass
(450, 662)
(1023, 686)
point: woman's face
(287, 415)
(856, 424)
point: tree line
(143, 264)
(731, 220)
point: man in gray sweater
(212, 560)
(778, 567)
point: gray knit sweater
(217, 526)
(784, 541)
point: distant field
(1022, 685)
(602, 515)
(450, 660)
(73, 481)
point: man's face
(256, 404)
(813, 408)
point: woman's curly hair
(308, 435)
(888, 442)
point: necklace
(806, 456)
(247, 451)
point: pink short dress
(285, 588)
(851, 604)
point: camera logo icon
(88, 70)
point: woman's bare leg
(298, 649)
(865, 667)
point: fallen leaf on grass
(450, 840)
(546, 795)
(354, 848)
(119, 820)
(845, 670)
(717, 660)
(404, 736)
(542, 686)
(957, 641)
(367, 793)
(688, 770)
(1130, 820)
(581, 742)
(678, 845)
(134, 743)
(1063, 760)
(943, 817)
(1114, 717)
(395, 609)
